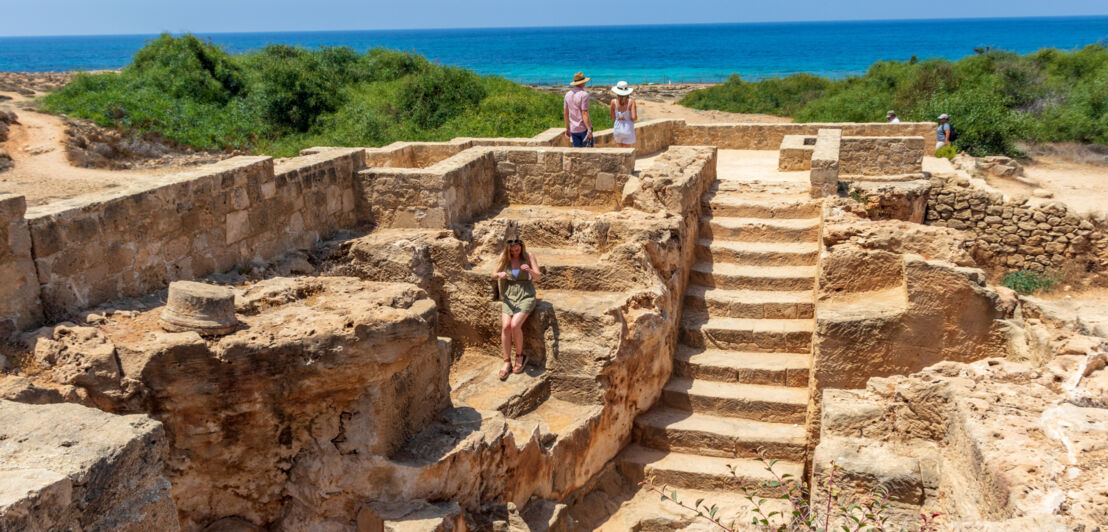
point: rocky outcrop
(991, 445)
(68, 467)
(323, 373)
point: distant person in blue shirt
(943, 135)
(891, 117)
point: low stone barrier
(92, 249)
(447, 193)
(650, 135)
(563, 176)
(770, 136)
(796, 153)
(459, 188)
(1015, 235)
(825, 163)
(881, 156)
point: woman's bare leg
(506, 337)
(517, 334)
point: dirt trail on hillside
(1084, 187)
(42, 171)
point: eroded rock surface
(68, 467)
(986, 444)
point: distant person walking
(945, 133)
(576, 112)
(891, 117)
(625, 114)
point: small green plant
(1029, 281)
(947, 151)
(867, 514)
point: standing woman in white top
(624, 113)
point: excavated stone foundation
(699, 305)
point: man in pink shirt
(576, 112)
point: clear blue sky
(84, 17)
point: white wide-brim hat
(622, 89)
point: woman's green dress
(517, 294)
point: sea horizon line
(573, 27)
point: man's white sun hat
(622, 89)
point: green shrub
(947, 151)
(281, 99)
(1028, 281)
(772, 95)
(995, 98)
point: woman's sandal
(505, 370)
(522, 359)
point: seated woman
(514, 274)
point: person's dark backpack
(953, 133)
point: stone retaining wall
(824, 173)
(450, 192)
(770, 136)
(795, 154)
(96, 248)
(877, 156)
(458, 189)
(650, 135)
(20, 307)
(563, 176)
(1014, 235)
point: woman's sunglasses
(515, 241)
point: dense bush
(281, 99)
(995, 98)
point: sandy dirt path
(42, 172)
(1082, 187)
(650, 110)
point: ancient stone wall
(449, 192)
(20, 306)
(824, 168)
(770, 136)
(879, 156)
(1014, 235)
(93, 249)
(562, 176)
(650, 136)
(424, 154)
(796, 153)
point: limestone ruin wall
(359, 392)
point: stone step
(746, 334)
(759, 206)
(759, 189)
(681, 470)
(670, 429)
(776, 369)
(734, 276)
(758, 253)
(775, 404)
(773, 304)
(571, 269)
(760, 229)
(474, 382)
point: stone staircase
(740, 379)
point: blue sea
(638, 54)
